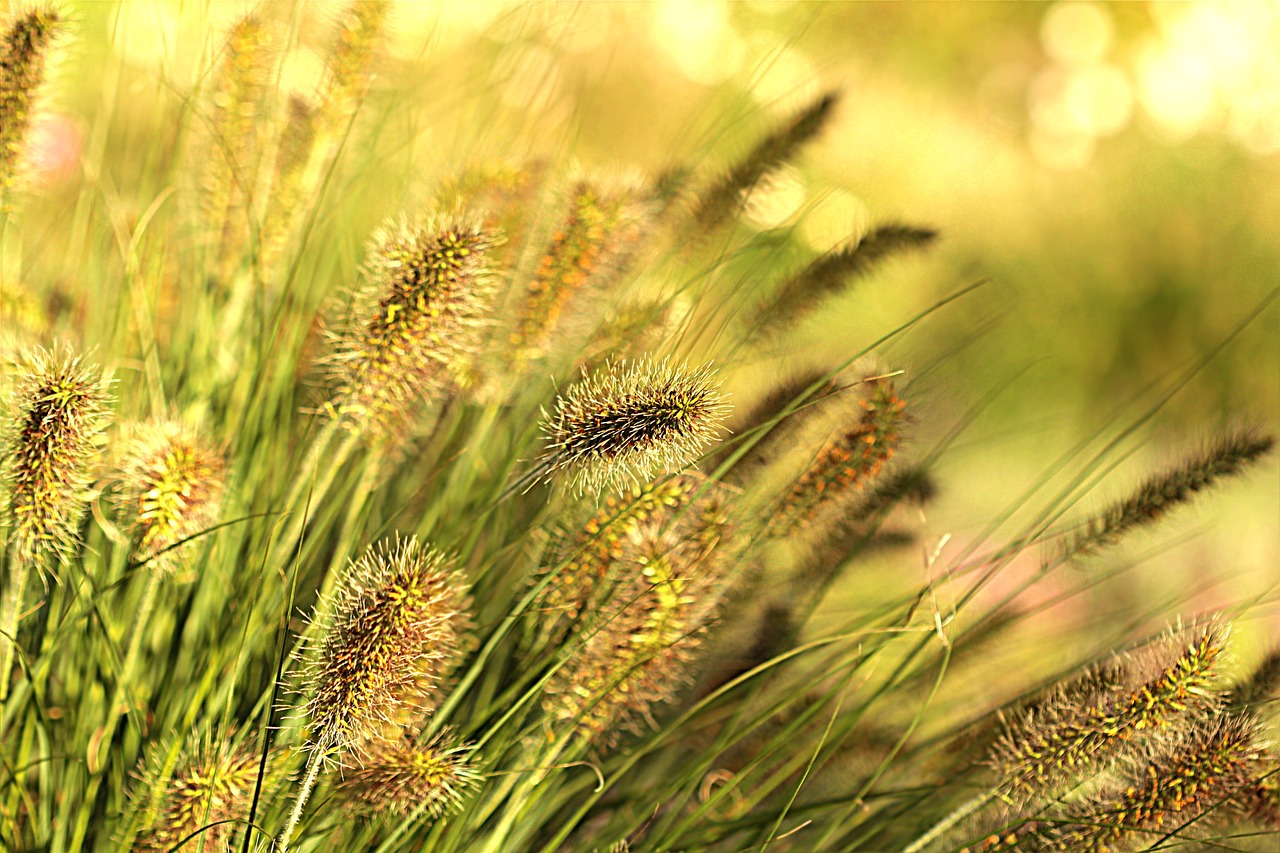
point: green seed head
(55, 419)
(398, 777)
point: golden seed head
(415, 324)
(55, 419)
(394, 617)
(400, 778)
(172, 484)
(212, 785)
(632, 421)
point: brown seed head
(401, 778)
(414, 325)
(394, 618)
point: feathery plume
(718, 203)
(783, 409)
(172, 485)
(848, 464)
(505, 193)
(231, 171)
(350, 63)
(663, 580)
(212, 785)
(1060, 739)
(394, 617)
(57, 414)
(832, 273)
(399, 777)
(631, 421)
(289, 180)
(414, 324)
(1203, 771)
(24, 53)
(588, 248)
(1226, 456)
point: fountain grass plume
(414, 324)
(629, 422)
(400, 777)
(24, 56)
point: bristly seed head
(399, 778)
(208, 794)
(56, 415)
(394, 618)
(632, 421)
(24, 50)
(172, 486)
(417, 320)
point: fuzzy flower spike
(415, 323)
(632, 421)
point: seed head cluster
(394, 618)
(631, 421)
(416, 322)
(172, 484)
(1049, 744)
(56, 415)
(400, 777)
(602, 225)
(654, 579)
(209, 792)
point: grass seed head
(848, 464)
(172, 486)
(663, 575)
(213, 784)
(415, 324)
(632, 421)
(600, 231)
(1064, 739)
(394, 617)
(398, 778)
(24, 53)
(56, 416)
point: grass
(445, 533)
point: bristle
(415, 324)
(719, 202)
(664, 582)
(56, 416)
(24, 50)
(1063, 738)
(394, 617)
(631, 421)
(1226, 456)
(204, 801)
(401, 778)
(172, 483)
(832, 273)
(588, 248)
(504, 193)
(848, 464)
